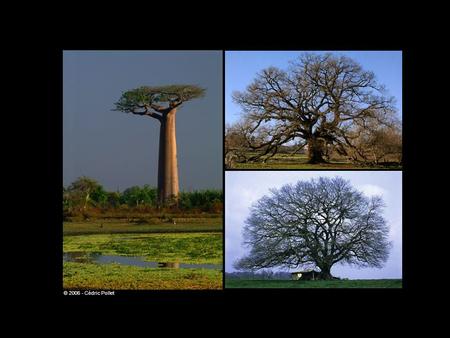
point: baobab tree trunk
(316, 149)
(167, 164)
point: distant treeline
(264, 274)
(86, 193)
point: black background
(366, 305)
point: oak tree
(315, 223)
(319, 99)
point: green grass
(199, 224)
(194, 240)
(366, 283)
(298, 161)
(81, 276)
(197, 248)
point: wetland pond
(83, 257)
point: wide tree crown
(144, 99)
(319, 96)
(315, 224)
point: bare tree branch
(315, 223)
(317, 98)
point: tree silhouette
(161, 103)
(316, 224)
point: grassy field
(366, 283)
(141, 225)
(299, 161)
(79, 276)
(190, 240)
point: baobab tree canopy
(320, 99)
(316, 223)
(144, 100)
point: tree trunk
(167, 163)
(316, 150)
(325, 272)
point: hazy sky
(120, 150)
(241, 68)
(244, 188)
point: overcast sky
(241, 68)
(243, 188)
(121, 150)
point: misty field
(291, 284)
(299, 161)
(193, 241)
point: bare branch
(318, 222)
(318, 97)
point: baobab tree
(316, 223)
(319, 100)
(161, 103)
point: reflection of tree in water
(173, 265)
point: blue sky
(121, 150)
(243, 188)
(241, 68)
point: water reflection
(83, 257)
